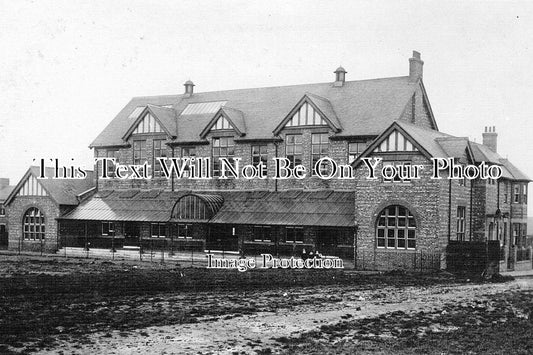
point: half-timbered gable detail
(226, 119)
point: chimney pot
(416, 66)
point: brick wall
(18, 206)
(427, 199)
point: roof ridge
(180, 96)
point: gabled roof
(483, 153)
(429, 142)
(320, 104)
(234, 117)
(166, 117)
(364, 107)
(456, 147)
(62, 191)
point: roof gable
(311, 110)
(362, 108)
(152, 119)
(226, 118)
(61, 191)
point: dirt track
(376, 313)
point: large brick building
(380, 223)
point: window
(108, 228)
(516, 198)
(223, 147)
(184, 231)
(524, 193)
(159, 151)
(505, 194)
(259, 154)
(158, 230)
(262, 233)
(516, 233)
(2, 210)
(132, 229)
(461, 213)
(401, 168)
(293, 149)
(491, 181)
(396, 228)
(294, 234)
(109, 153)
(139, 152)
(354, 150)
(187, 152)
(33, 224)
(319, 149)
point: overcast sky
(68, 67)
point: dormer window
(306, 116)
(222, 123)
(148, 125)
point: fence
(390, 260)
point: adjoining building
(381, 223)
(5, 190)
(34, 205)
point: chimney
(490, 138)
(340, 76)
(4, 182)
(415, 66)
(189, 85)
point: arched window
(396, 228)
(33, 224)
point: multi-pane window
(2, 210)
(319, 149)
(159, 151)
(396, 228)
(294, 234)
(516, 198)
(187, 152)
(293, 149)
(158, 230)
(139, 152)
(354, 150)
(33, 224)
(524, 193)
(461, 213)
(223, 147)
(108, 228)
(184, 231)
(259, 154)
(109, 153)
(262, 233)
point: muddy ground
(53, 305)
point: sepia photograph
(281, 177)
